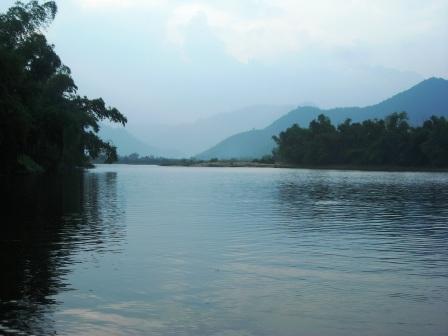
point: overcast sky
(173, 61)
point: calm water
(140, 250)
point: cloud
(408, 35)
(280, 27)
(244, 38)
(119, 4)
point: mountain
(195, 137)
(425, 99)
(127, 144)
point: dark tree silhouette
(44, 123)
(388, 142)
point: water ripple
(142, 250)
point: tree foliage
(42, 118)
(386, 142)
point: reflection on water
(46, 220)
(137, 250)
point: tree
(42, 118)
(436, 145)
(391, 142)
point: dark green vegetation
(136, 159)
(389, 143)
(44, 123)
(422, 101)
(378, 142)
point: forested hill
(44, 124)
(420, 102)
(388, 142)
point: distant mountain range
(127, 143)
(427, 98)
(185, 140)
(195, 137)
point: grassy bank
(214, 163)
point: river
(147, 250)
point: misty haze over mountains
(243, 134)
(189, 139)
(427, 98)
(196, 137)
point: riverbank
(249, 164)
(258, 164)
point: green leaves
(23, 20)
(42, 118)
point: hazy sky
(170, 61)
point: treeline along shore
(388, 142)
(379, 144)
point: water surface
(139, 250)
